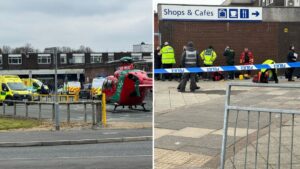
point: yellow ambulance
(36, 86)
(12, 88)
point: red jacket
(251, 58)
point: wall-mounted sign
(209, 13)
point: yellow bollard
(76, 97)
(241, 77)
(103, 109)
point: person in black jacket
(189, 58)
(157, 61)
(229, 55)
(291, 57)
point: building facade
(71, 66)
(268, 39)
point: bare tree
(84, 49)
(66, 49)
(88, 50)
(27, 48)
(6, 49)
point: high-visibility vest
(167, 55)
(208, 56)
(269, 61)
(191, 58)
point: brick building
(71, 66)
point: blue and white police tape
(228, 68)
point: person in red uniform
(247, 58)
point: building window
(63, 58)
(15, 59)
(96, 57)
(44, 58)
(111, 57)
(136, 56)
(1, 60)
(78, 58)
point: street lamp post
(56, 105)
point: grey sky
(103, 25)
(196, 2)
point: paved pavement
(188, 126)
(87, 136)
(132, 155)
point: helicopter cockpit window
(107, 84)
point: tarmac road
(131, 155)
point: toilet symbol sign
(233, 13)
(209, 13)
(244, 13)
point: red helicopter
(128, 86)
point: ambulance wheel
(9, 103)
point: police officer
(167, 59)
(229, 55)
(291, 57)
(208, 56)
(157, 61)
(263, 78)
(189, 58)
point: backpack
(217, 76)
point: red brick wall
(156, 31)
(260, 38)
(91, 73)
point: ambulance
(72, 87)
(12, 88)
(36, 86)
(97, 87)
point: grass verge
(10, 123)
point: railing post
(98, 113)
(26, 110)
(40, 111)
(68, 113)
(15, 109)
(3, 107)
(85, 114)
(93, 113)
(53, 111)
(225, 127)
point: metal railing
(261, 130)
(44, 109)
(61, 97)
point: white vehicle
(97, 87)
(72, 87)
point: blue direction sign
(184, 12)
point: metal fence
(87, 111)
(61, 97)
(264, 126)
